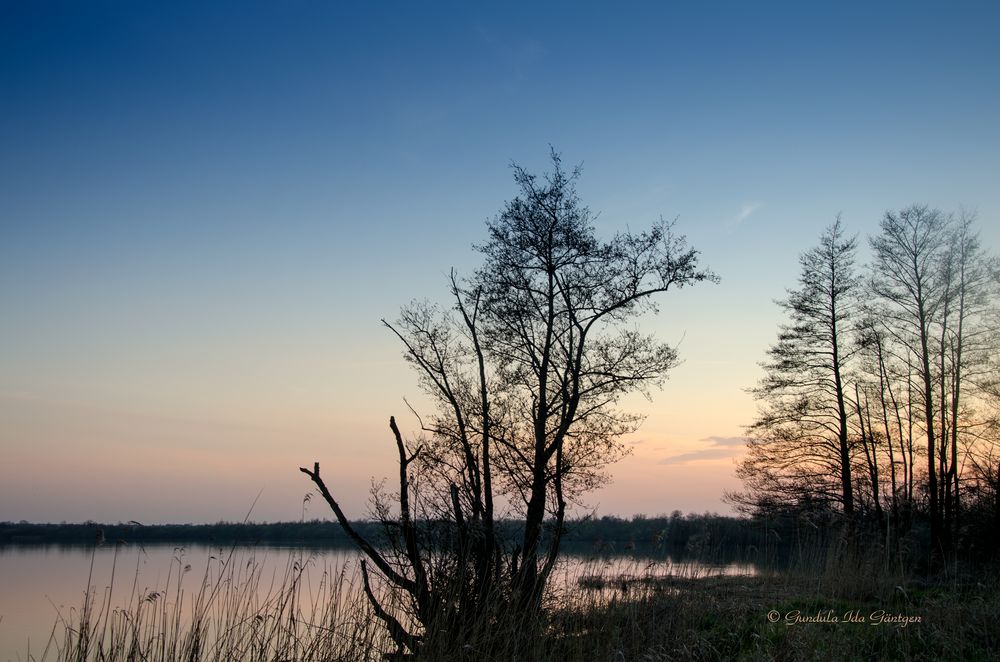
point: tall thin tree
(802, 434)
(907, 278)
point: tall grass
(234, 611)
(613, 609)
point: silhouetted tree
(526, 369)
(908, 267)
(885, 418)
(799, 444)
(924, 349)
(935, 290)
(967, 347)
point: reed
(610, 609)
(233, 611)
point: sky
(207, 208)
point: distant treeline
(706, 534)
(312, 533)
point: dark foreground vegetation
(814, 596)
(823, 602)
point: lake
(41, 584)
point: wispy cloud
(719, 447)
(726, 441)
(747, 209)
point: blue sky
(204, 212)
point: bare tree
(527, 370)
(923, 352)
(883, 382)
(967, 341)
(799, 446)
(908, 260)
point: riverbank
(794, 616)
(826, 606)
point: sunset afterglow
(205, 212)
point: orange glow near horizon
(205, 214)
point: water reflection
(43, 587)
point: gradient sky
(205, 211)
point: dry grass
(600, 612)
(234, 612)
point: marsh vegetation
(268, 604)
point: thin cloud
(726, 441)
(719, 447)
(746, 211)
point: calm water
(41, 584)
